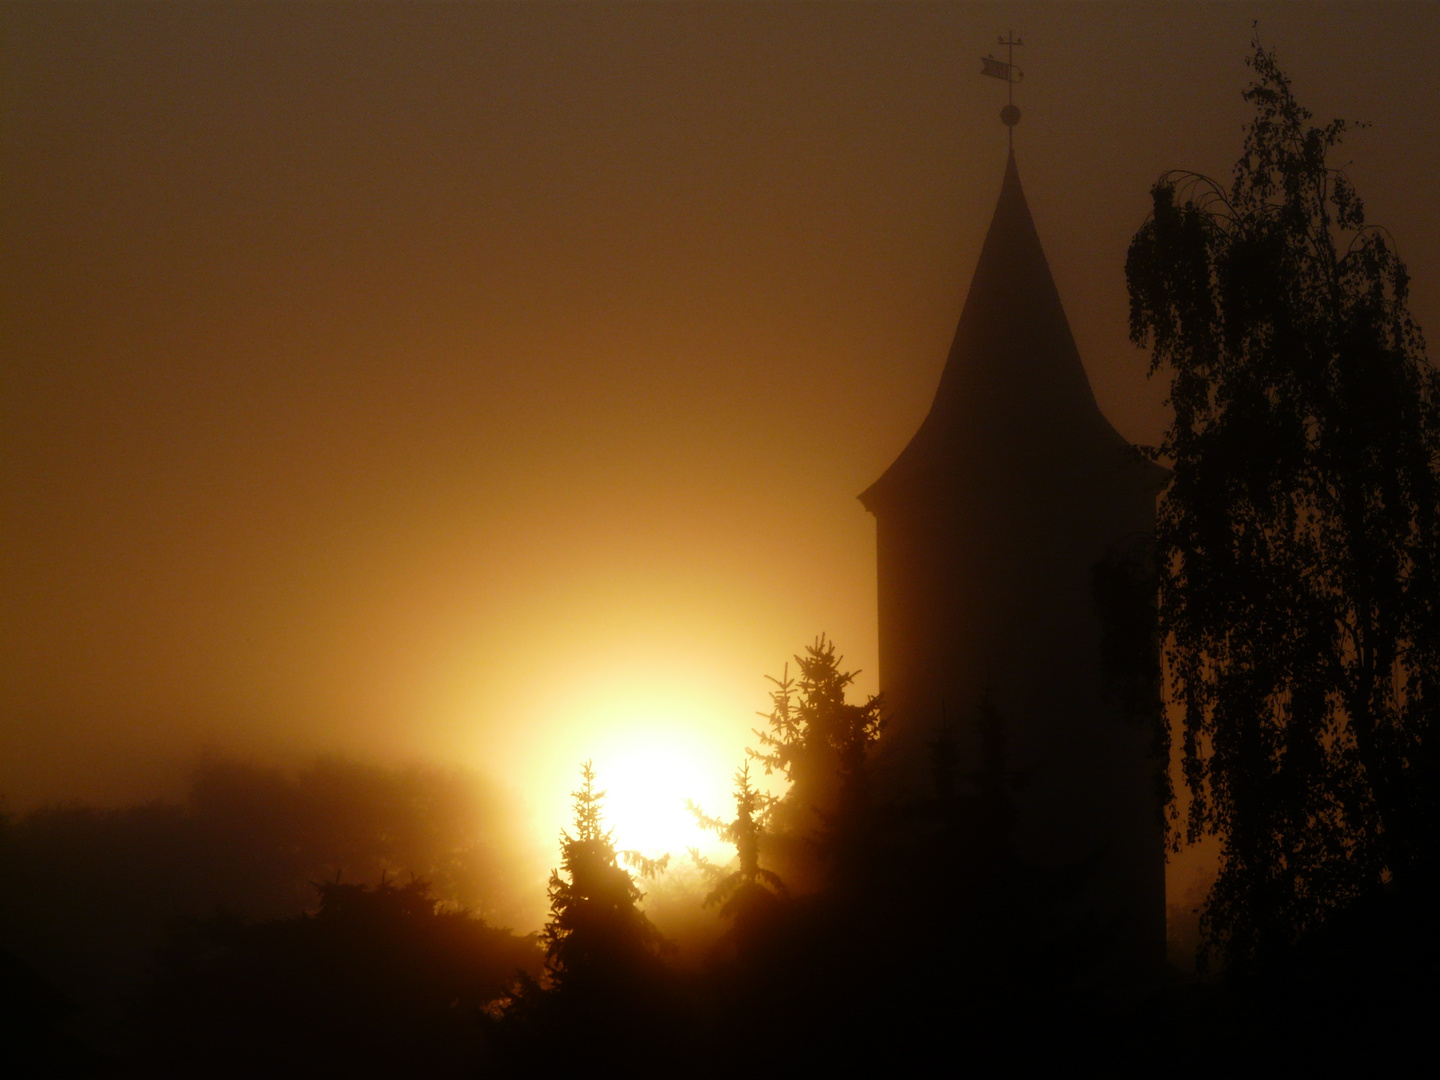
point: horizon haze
(494, 384)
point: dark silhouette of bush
(37, 1029)
(89, 893)
(380, 981)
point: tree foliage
(603, 989)
(750, 884)
(596, 932)
(1298, 542)
(817, 739)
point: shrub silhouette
(381, 980)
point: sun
(647, 775)
(654, 744)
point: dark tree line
(912, 917)
(88, 896)
(381, 980)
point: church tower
(993, 530)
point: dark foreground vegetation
(104, 914)
(920, 937)
(1298, 560)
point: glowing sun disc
(646, 782)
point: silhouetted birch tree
(1298, 541)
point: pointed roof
(1013, 387)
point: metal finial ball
(1010, 115)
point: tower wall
(984, 592)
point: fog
(490, 386)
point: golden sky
(493, 383)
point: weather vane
(1008, 70)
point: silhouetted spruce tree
(749, 891)
(817, 739)
(1299, 540)
(596, 928)
(603, 989)
(830, 946)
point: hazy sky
(493, 383)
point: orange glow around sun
(658, 730)
(647, 774)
